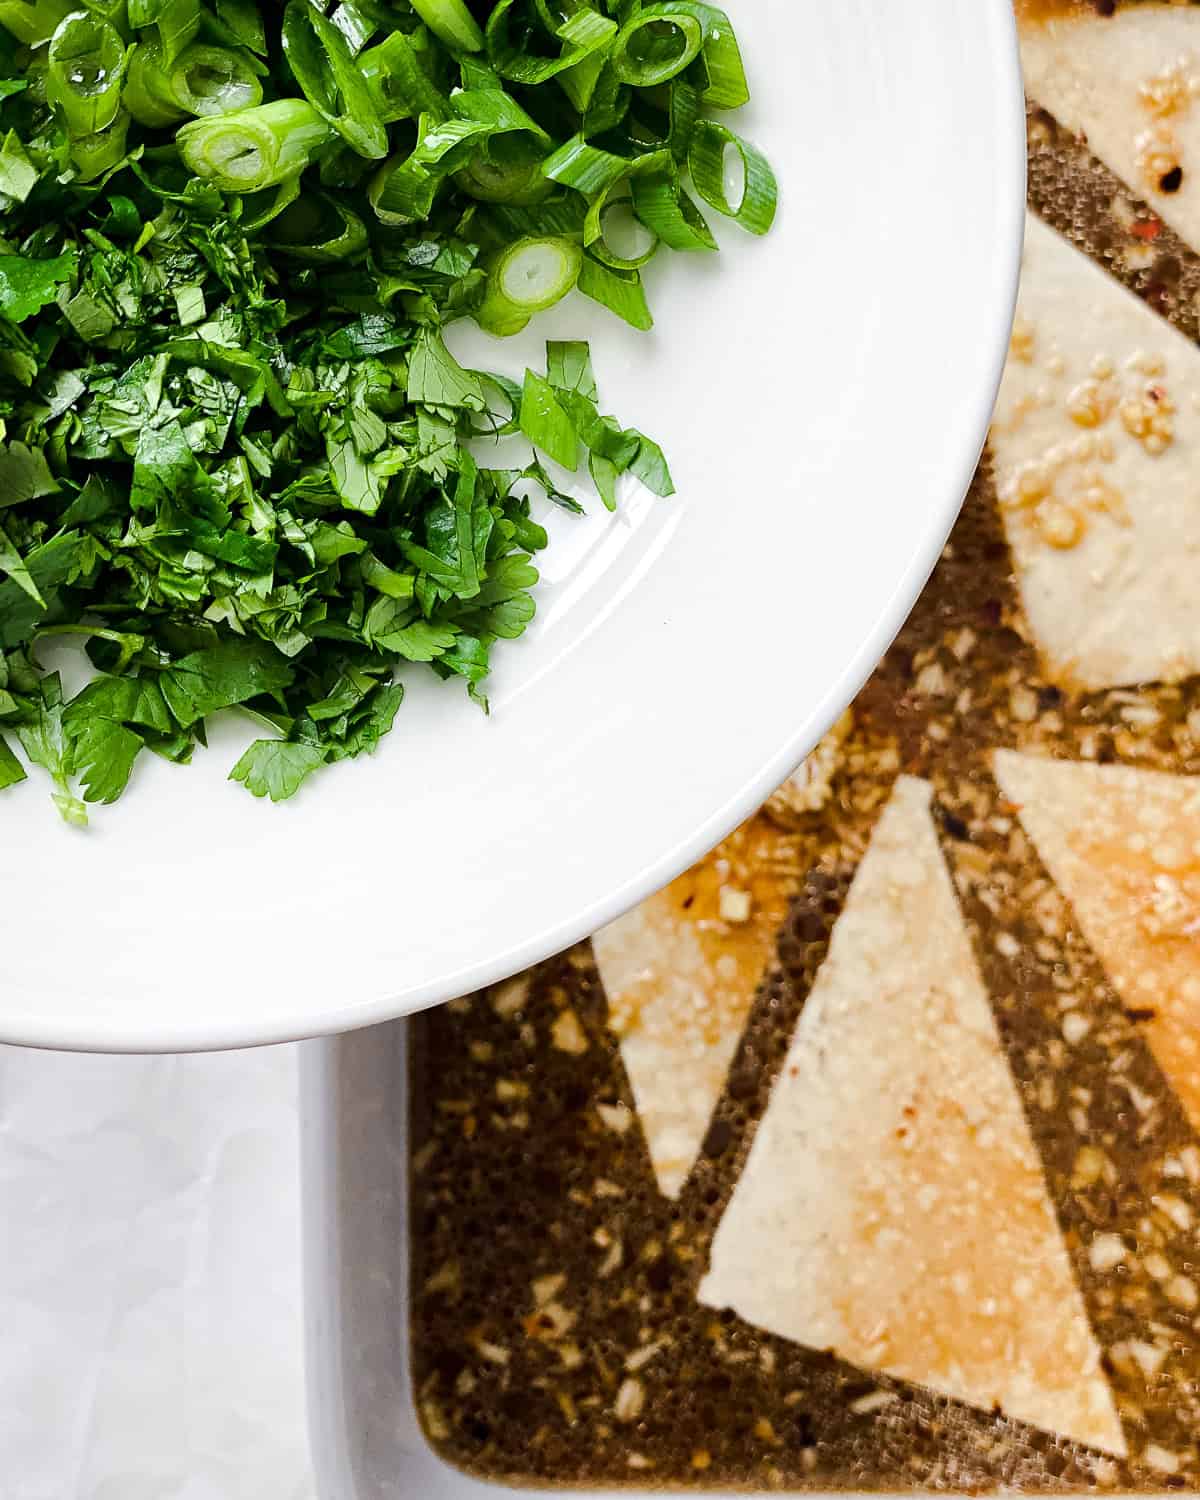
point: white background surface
(150, 1314)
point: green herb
(240, 464)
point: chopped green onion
(586, 168)
(561, 215)
(202, 81)
(318, 228)
(242, 20)
(620, 291)
(112, 11)
(582, 34)
(400, 85)
(507, 168)
(178, 27)
(608, 106)
(84, 72)
(33, 24)
(253, 449)
(599, 232)
(95, 154)
(517, 180)
(253, 148)
(579, 81)
(725, 84)
(214, 81)
(710, 146)
(476, 74)
(451, 22)
(147, 93)
(663, 207)
(671, 129)
(656, 45)
(499, 113)
(527, 278)
(357, 23)
(403, 190)
(332, 81)
(261, 207)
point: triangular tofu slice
(680, 972)
(1123, 846)
(893, 1208)
(1130, 83)
(1096, 442)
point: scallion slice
(92, 155)
(178, 27)
(526, 278)
(620, 291)
(399, 83)
(317, 228)
(725, 85)
(85, 67)
(507, 166)
(241, 22)
(333, 83)
(147, 93)
(261, 207)
(562, 215)
(586, 168)
(403, 190)
(656, 45)
(671, 129)
(663, 207)
(493, 179)
(451, 22)
(33, 24)
(578, 37)
(253, 148)
(602, 226)
(711, 144)
(358, 22)
(213, 81)
(579, 81)
(609, 105)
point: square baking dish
(367, 1441)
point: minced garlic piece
(1157, 154)
(568, 1035)
(1147, 417)
(1058, 524)
(1092, 402)
(1021, 345)
(734, 905)
(631, 1399)
(1167, 93)
(808, 789)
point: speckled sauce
(865, 1156)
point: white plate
(822, 396)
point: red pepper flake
(1146, 229)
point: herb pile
(236, 454)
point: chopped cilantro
(239, 461)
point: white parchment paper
(150, 1313)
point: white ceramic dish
(367, 1443)
(822, 395)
